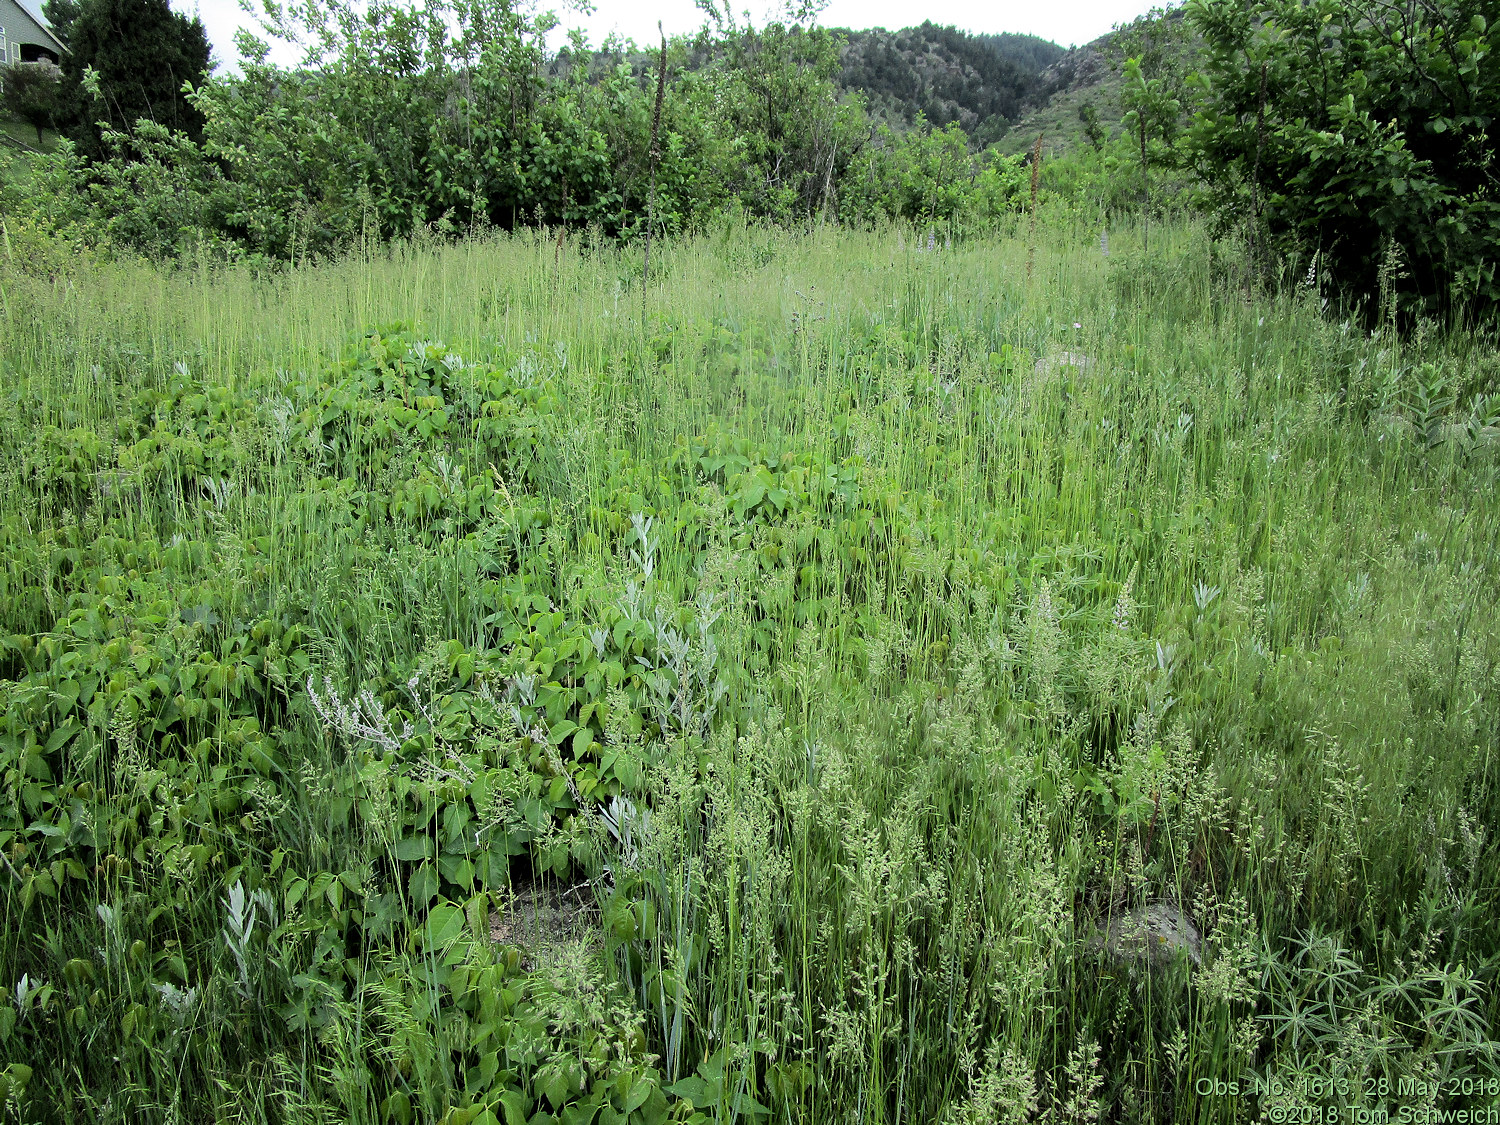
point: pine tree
(141, 52)
(60, 15)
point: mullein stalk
(661, 90)
(1036, 183)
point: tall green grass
(939, 618)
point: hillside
(982, 82)
(17, 149)
(1085, 83)
(1085, 78)
(1001, 89)
(19, 136)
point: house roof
(41, 24)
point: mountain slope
(981, 82)
(1084, 85)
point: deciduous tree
(29, 90)
(1359, 131)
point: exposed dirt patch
(542, 917)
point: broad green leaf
(444, 924)
(412, 848)
(692, 1089)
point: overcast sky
(1069, 22)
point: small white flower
(25, 990)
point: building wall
(22, 29)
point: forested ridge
(982, 83)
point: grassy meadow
(987, 683)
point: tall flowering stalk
(1036, 183)
(661, 90)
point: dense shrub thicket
(447, 119)
(1354, 145)
(1359, 138)
(128, 60)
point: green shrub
(1358, 142)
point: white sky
(1069, 22)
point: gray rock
(1156, 932)
(1048, 364)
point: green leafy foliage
(404, 122)
(790, 136)
(60, 16)
(1151, 114)
(1345, 130)
(927, 175)
(851, 644)
(128, 60)
(30, 91)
